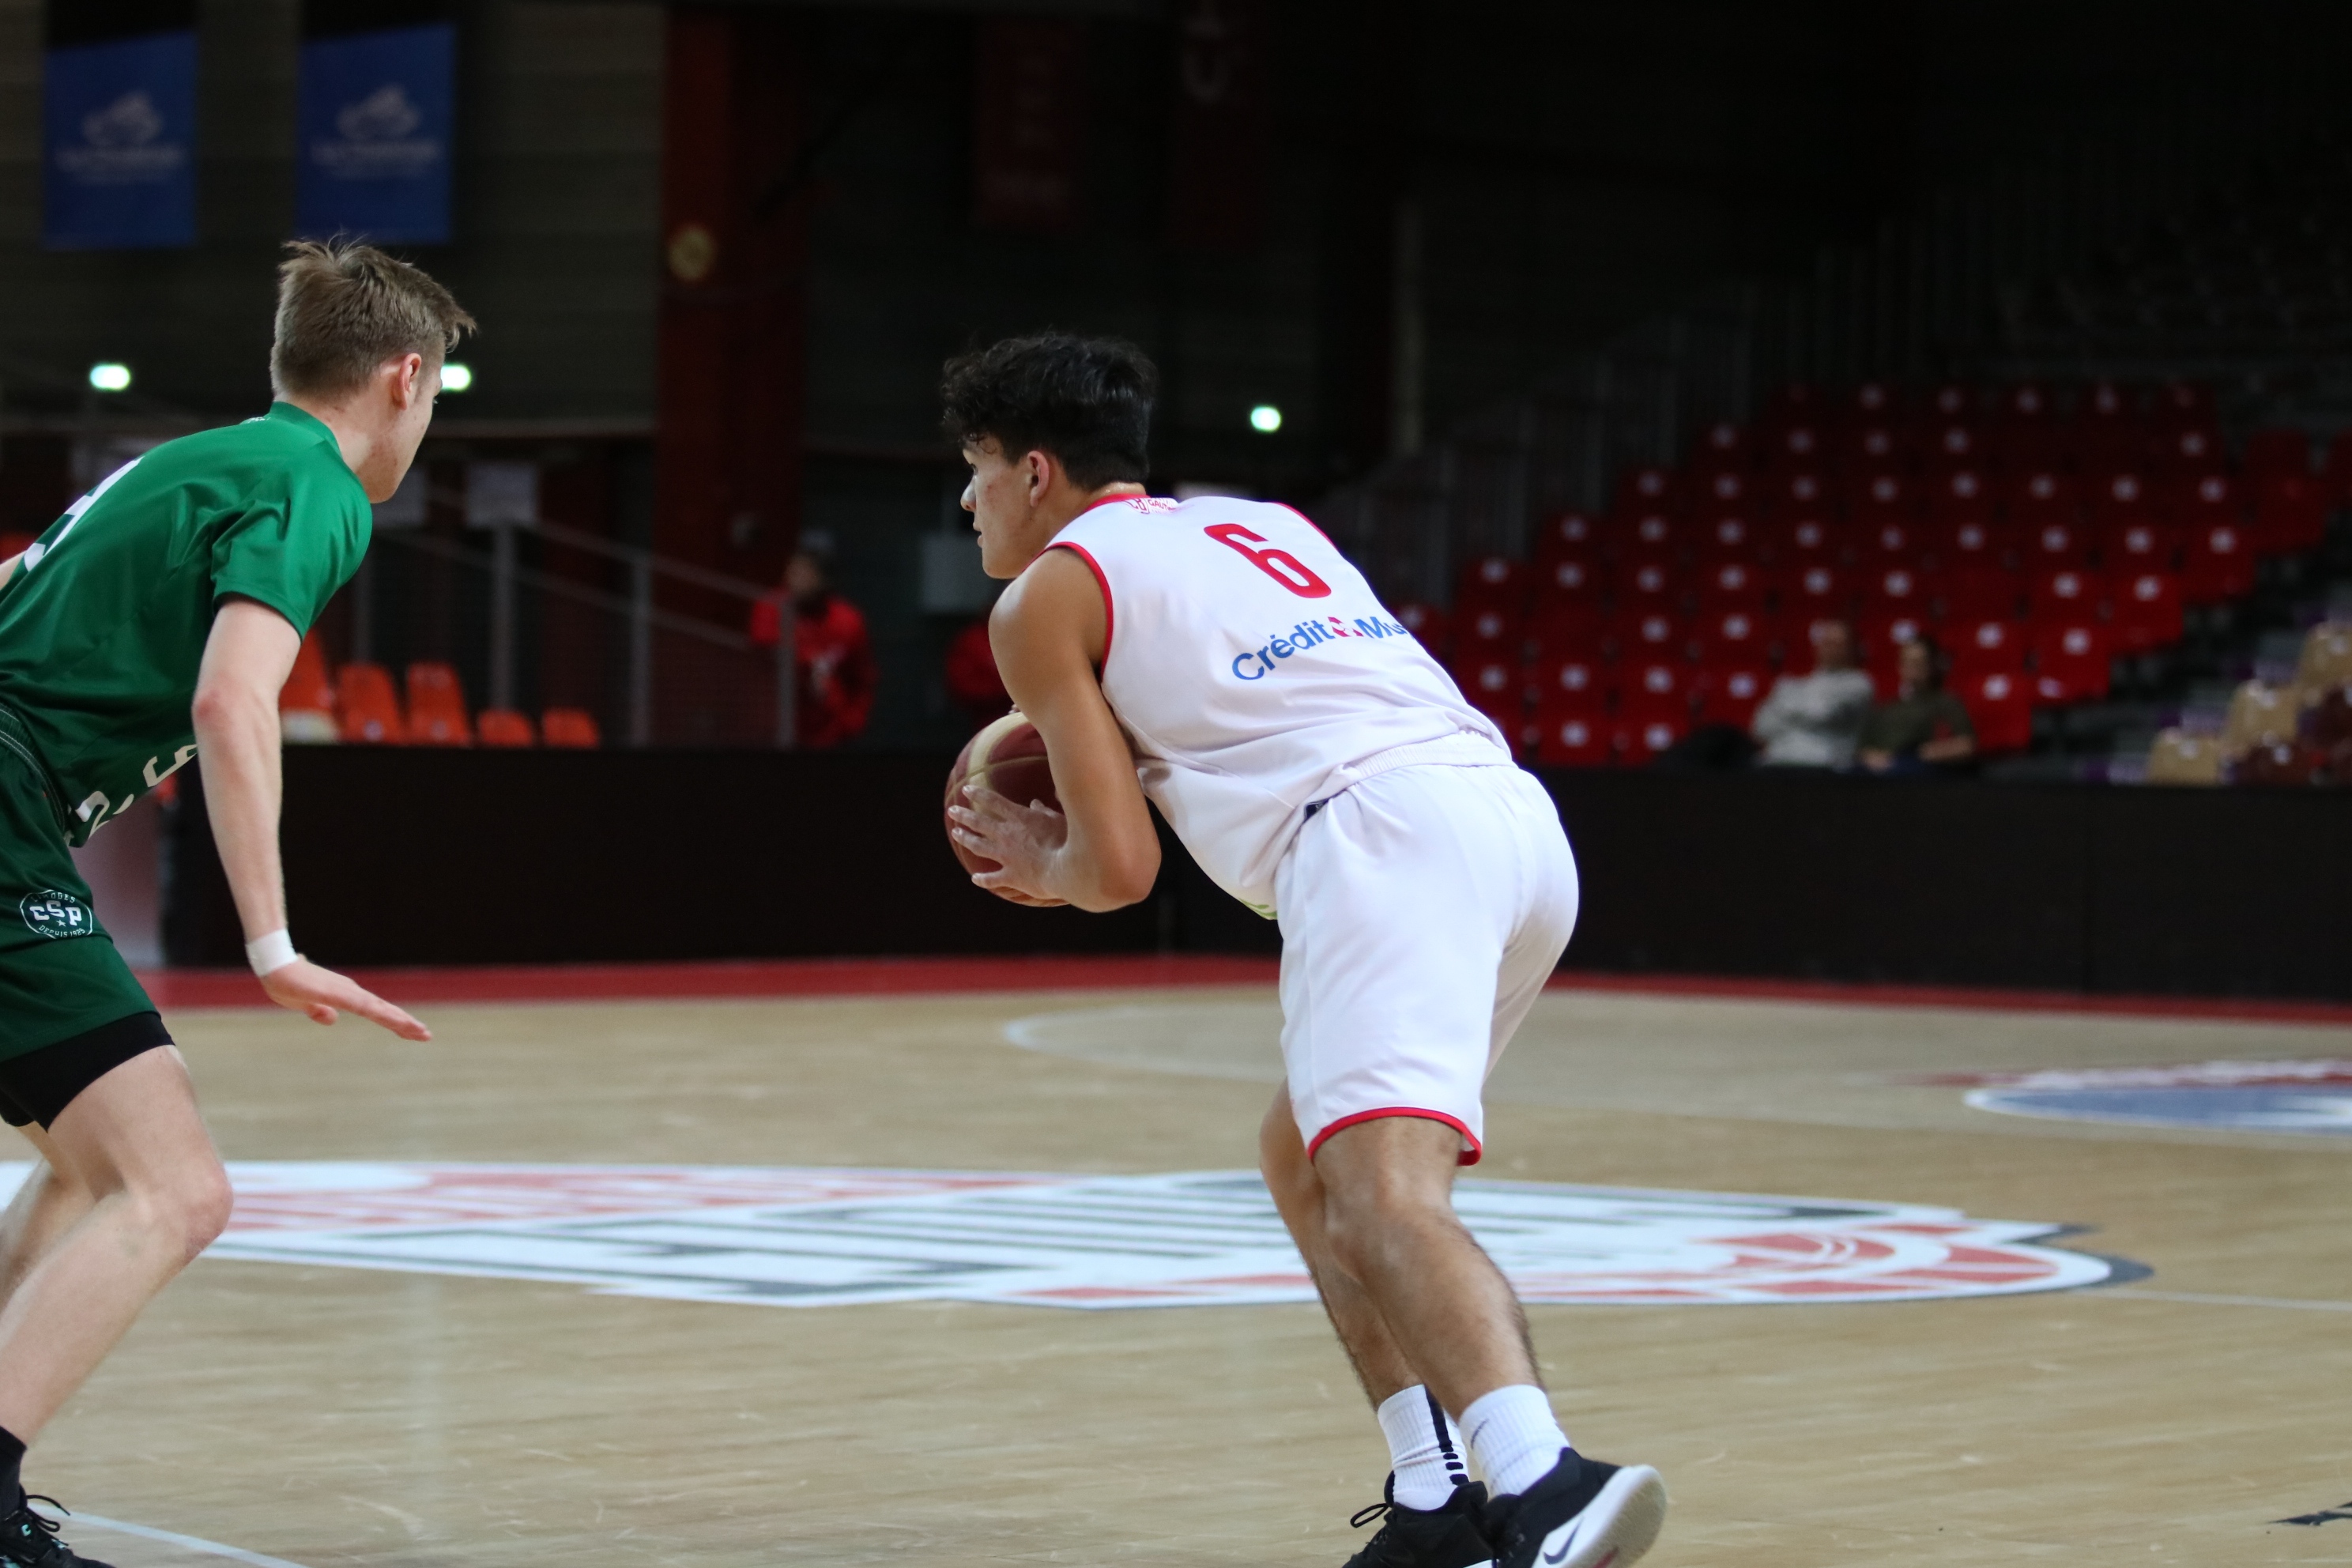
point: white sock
(1514, 1436)
(1424, 1449)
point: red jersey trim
(1110, 608)
(1470, 1156)
(1109, 501)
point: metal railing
(589, 629)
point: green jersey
(104, 624)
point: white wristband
(267, 954)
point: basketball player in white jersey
(1222, 658)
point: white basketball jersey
(1255, 673)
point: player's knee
(191, 1210)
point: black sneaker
(29, 1540)
(1582, 1515)
(1446, 1537)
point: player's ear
(1040, 468)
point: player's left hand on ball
(1022, 839)
(321, 994)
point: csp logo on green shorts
(53, 914)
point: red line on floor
(932, 976)
(781, 977)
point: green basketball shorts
(60, 973)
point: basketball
(1009, 757)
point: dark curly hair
(1088, 401)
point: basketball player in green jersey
(155, 622)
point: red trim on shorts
(1470, 1156)
(1110, 610)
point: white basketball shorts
(1422, 911)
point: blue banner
(119, 152)
(374, 123)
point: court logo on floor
(794, 1237)
(2312, 1097)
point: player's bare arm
(1100, 852)
(247, 660)
(8, 568)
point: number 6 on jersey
(1279, 565)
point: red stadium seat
(1578, 681)
(368, 711)
(1895, 592)
(1959, 496)
(1489, 636)
(2066, 594)
(2042, 495)
(573, 728)
(505, 727)
(1730, 693)
(1732, 584)
(1568, 628)
(1727, 537)
(1800, 493)
(1981, 647)
(1651, 533)
(1651, 583)
(1574, 738)
(2186, 451)
(1492, 581)
(1797, 445)
(1888, 540)
(2071, 661)
(1881, 497)
(1573, 579)
(1719, 493)
(2052, 546)
(1663, 683)
(2147, 612)
(1873, 446)
(1811, 592)
(2119, 496)
(1643, 737)
(2001, 710)
(1734, 636)
(1980, 594)
(1646, 490)
(1570, 532)
(2133, 546)
(436, 707)
(1651, 635)
(1952, 444)
(1793, 542)
(2217, 562)
(2290, 514)
(1965, 543)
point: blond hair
(344, 309)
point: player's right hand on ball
(321, 994)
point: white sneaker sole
(1616, 1528)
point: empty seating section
(359, 705)
(2036, 534)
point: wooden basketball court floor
(308, 1413)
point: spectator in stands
(834, 656)
(972, 674)
(1926, 728)
(1811, 720)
